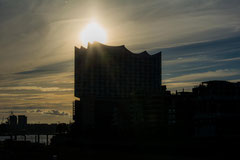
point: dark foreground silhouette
(199, 149)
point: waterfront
(31, 138)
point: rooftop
(117, 49)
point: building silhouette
(12, 120)
(216, 110)
(120, 93)
(118, 90)
(114, 71)
(22, 121)
(17, 122)
(210, 110)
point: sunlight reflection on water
(31, 138)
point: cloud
(35, 111)
(56, 113)
(35, 88)
(15, 112)
(205, 75)
(49, 112)
(184, 60)
(52, 68)
(187, 86)
(33, 108)
(201, 57)
(38, 111)
(188, 81)
(229, 59)
(220, 46)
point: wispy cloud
(188, 81)
(43, 89)
(206, 75)
(187, 86)
(229, 59)
(185, 60)
(50, 112)
(56, 113)
(52, 68)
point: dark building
(211, 109)
(22, 121)
(149, 114)
(217, 109)
(107, 71)
(117, 88)
(12, 120)
(180, 114)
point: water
(31, 138)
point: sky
(199, 40)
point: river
(31, 138)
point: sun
(93, 32)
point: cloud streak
(59, 67)
(56, 113)
(50, 112)
(206, 75)
(188, 81)
(35, 88)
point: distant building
(109, 80)
(211, 109)
(12, 120)
(22, 121)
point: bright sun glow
(93, 32)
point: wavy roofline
(115, 47)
